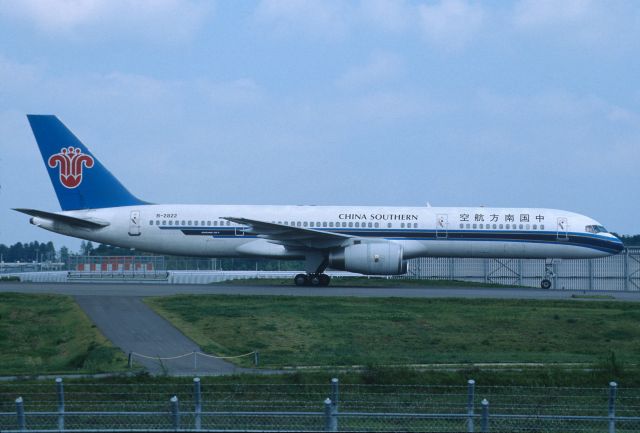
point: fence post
(330, 420)
(256, 357)
(197, 401)
(613, 387)
(20, 413)
(195, 361)
(130, 360)
(471, 389)
(175, 412)
(334, 392)
(590, 262)
(520, 272)
(626, 269)
(60, 392)
(485, 416)
(486, 270)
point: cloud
(390, 15)
(165, 19)
(242, 92)
(451, 24)
(609, 26)
(380, 68)
(532, 13)
(326, 18)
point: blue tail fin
(79, 179)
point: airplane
(371, 240)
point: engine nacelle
(376, 258)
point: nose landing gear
(312, 279)
(549, 274)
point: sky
(531, 103)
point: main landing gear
(313, 279)
(548, 275)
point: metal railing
(193, 406)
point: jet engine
(375, 258)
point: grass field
(291, 331)
(361, 282)
(50, 334)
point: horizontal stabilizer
(90, 223)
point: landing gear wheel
(545, 284)
(324, 279)
(301, 280)
(315, 280)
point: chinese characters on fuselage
(508, 218)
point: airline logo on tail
(70, 160)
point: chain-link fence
(311, 407)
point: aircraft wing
(291, 236)
(90, 223)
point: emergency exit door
(442, 225)
(134, 223)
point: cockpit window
(595, 229)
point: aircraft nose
(617, 245)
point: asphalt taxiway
(151, 289)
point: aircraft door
(442, 225)
(563, 228)
(134, 223)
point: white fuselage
(201, 230)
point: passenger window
(150, 222)
(299, 224)
(170, 222)
(228, 223)
(401, 225)
(461, 225)
(388, 225)
(377, 225)
(202, 223)
(520, 226)
(209, 223)
(370, 225)
(475, 226)
(500, 226)
(330, 223)
(535, 226)
(495, 226)
(304, 224)
(357, 224)
(164, 222)
(527, 226)
(541, 226)
(481, 225)
(324, 223)
(468, 225)
(350, 224)
(415, 225)
(344, 223)
(195, 223)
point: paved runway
(150, 289)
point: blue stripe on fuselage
(586, 240)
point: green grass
(290, 331)
(50, 334)
(361, 282)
